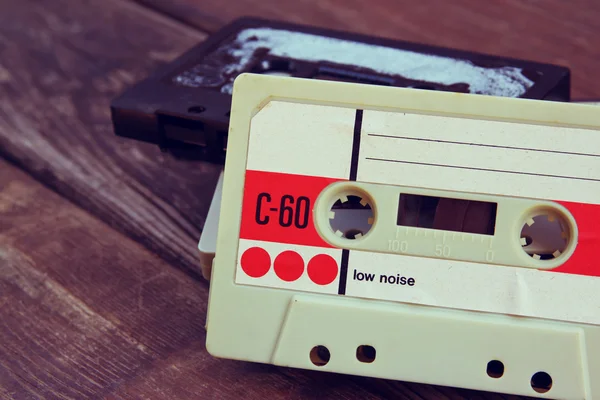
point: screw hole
(228, 114)
(196, 109)
(319, 355)
(495, 369)
(366, 353)
(541, 382)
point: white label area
(302, 139)
(479, 156)
(477, 287)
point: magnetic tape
(184, 107)
(414, 235)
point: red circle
(322, 269)
(289, 266)
(255, 262)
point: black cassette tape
(184, 107)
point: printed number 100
(398, 246)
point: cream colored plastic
(208, 239)
(412, 342)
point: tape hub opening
(351, 216)
(546, 235)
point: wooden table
(100, 295)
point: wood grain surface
(57, 78)
(89, 308)
(552, 31)
(86, 313)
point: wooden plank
(181, 376)
(552, 31)
(88, 313)
(57, 78)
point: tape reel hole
(545, 235)
(541, 382)
(495, 369)
(320, 355)
(366, 353)
(351, 216)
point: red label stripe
(278, 208)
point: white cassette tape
(412, 235)
(207, 245)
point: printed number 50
(442, 250)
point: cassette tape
(423, 236)
(207, 246)
(184, 107)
